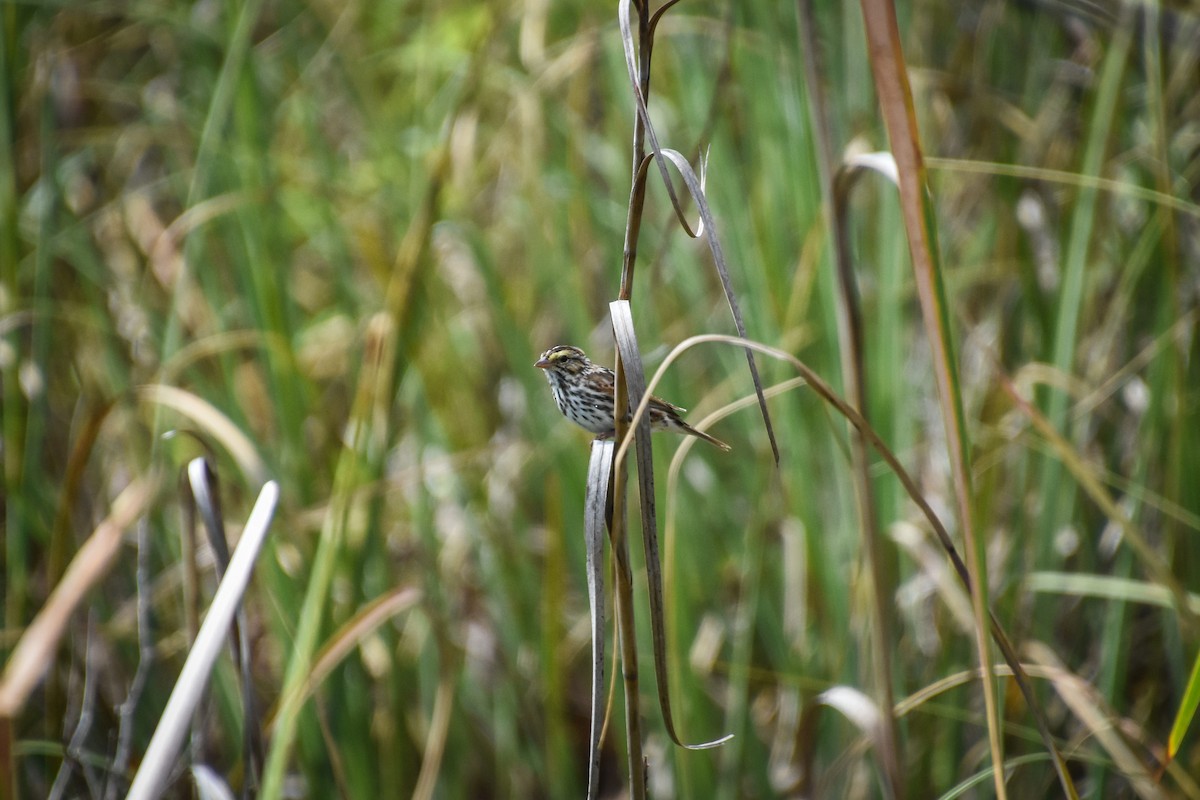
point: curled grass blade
(595, 523)
(639, 98)
(708, 225)
(356, 630)
(212, 420)
(696, 187)
(627, 345)
(852, 704)
(851, 341)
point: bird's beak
(542, 363)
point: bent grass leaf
(708, 225)
(638, 397)
(212, 420)
(350, 635)
(914, 492)
(34, 650)
(1089, 708)
(595, 522)
(851, 347)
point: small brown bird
(584, 393)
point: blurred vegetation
(350, 229)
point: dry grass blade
(851, 703)
(34, 651)
(627, 346)
(595, 523)
(1086, 476)
(210, 785)
(162, 751)
(207, 498)
(696, 188)
(352, 633)
(1088, 707)
(618, 534)
(626, 635)
(435, 742)
(896, 104)
(212, 420)
(60, 537)
(629, 361)
(206, 492)
(640, 101)
(914, 492)
(851, 347)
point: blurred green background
(352, 227)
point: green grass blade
(1186, 712)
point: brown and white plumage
(584, 393)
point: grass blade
(34, 652)
(896, 104)
(854, 372)
(627, 345)
(161, 754)
(910, 487)
(595, 524)
(207, 498)
(1186, 712)
(696, 189)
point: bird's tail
(710, 439)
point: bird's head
(564, 359)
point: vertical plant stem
(627, 642)
(850, 330)
(896, 104)
(623, 582)
(637, 191)
(851, 347)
